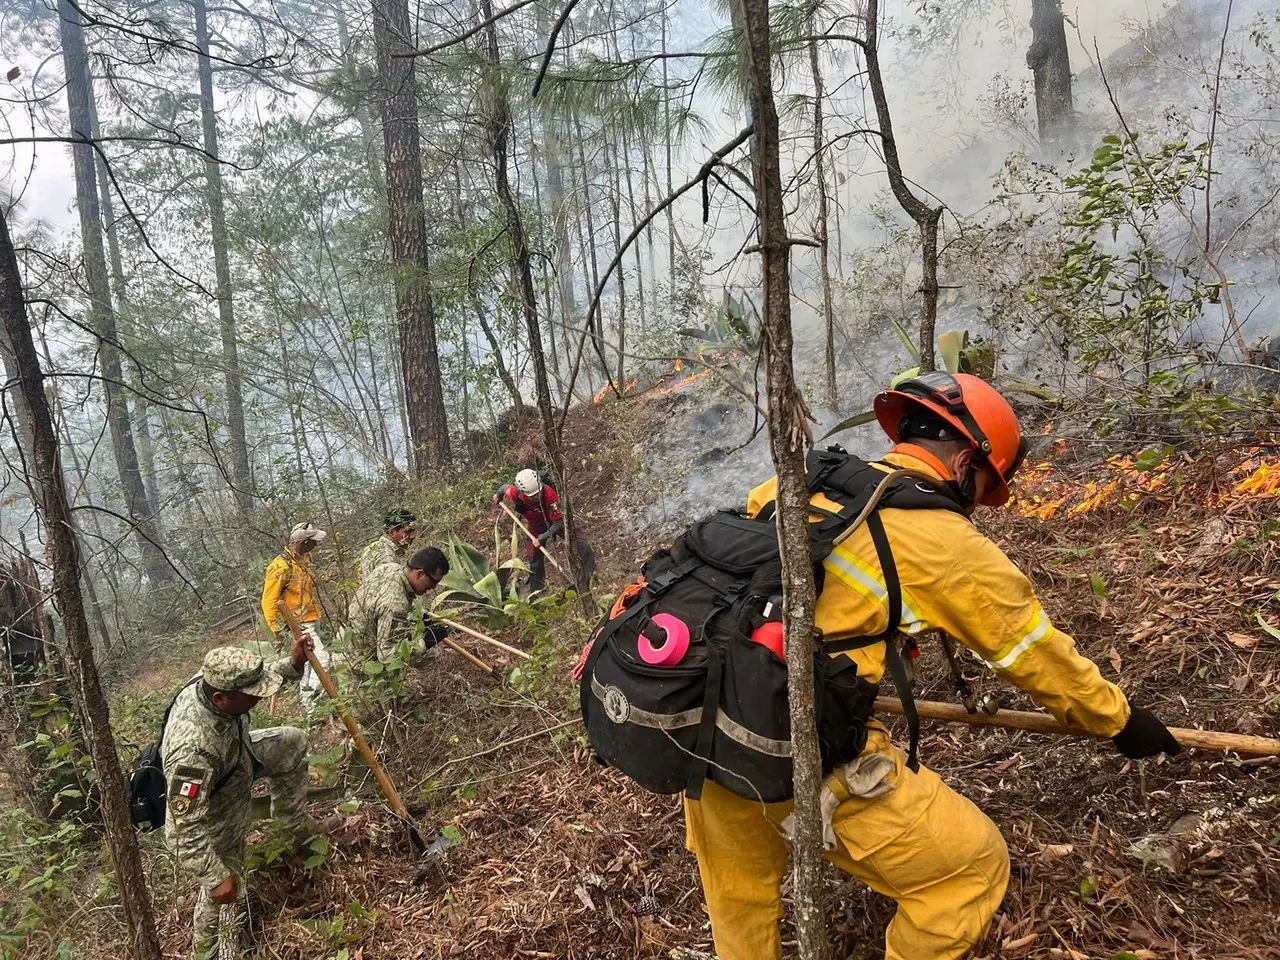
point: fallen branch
(1044, 723)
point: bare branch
(468, 34)
(703, 172)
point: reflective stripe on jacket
(956, 580)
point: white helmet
(528, 482)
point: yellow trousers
(921, 843)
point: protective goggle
(940, 387)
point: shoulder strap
(168, 710)
(893, 658)
(222, 781)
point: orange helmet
(973, 408)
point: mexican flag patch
(186, 784)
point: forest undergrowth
(1162, 564)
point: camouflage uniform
(211, 760)
(381, 551)
(378, 617)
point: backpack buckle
(663, 581)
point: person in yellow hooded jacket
(904, 832)
(291, 578)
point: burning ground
(1166, 572)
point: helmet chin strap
(967, 488)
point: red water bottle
(771, 635)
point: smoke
(1160, 61)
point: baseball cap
(306, 531)
(237, 670)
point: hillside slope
(1168, 578)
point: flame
(1263, 480)
(1120, 482)
(606, 390)
(661, 387)
(681, 384)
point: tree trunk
(588, 210)
(1049, 60)
(81, 480)
(141, 412)
(667, 135)
(495, 345)
(925, 216)
(544, 264)
(407, 229)
(498, 128)
(63, 553)
(499, 364)
(788, 433)
(824, 239)
(615, 208)
(240, 481)
(554, 153)
(79, 95)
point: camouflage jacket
(210, 768)
(379, 612)
(379, 552)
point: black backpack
(721, 712)
(147, 788)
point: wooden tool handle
(460, 649)
(545, 552)
(271, 704)
(480, 636)
(353, 728)
(1044, 723)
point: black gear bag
(721, 711)
(147, 788)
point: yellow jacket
(955, 579)
(292, 576)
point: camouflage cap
(237, 670)
(399, 517)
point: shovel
(384, 782)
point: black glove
(1144, 736)
(434, 633)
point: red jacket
(538, 512)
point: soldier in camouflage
(391, 547)
(211, 760)
(379, 614)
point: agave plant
(486, 592)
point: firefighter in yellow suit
(907, 834)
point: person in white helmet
(538, 505)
